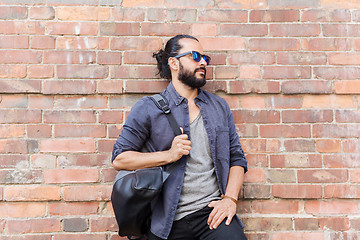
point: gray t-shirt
(200, 184)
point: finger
(217, 220)
(182, 130)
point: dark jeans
(195, 227)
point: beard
(189, 79)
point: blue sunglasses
(196, 56)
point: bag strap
(163, 105)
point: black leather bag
(134, 191)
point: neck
(184, 90)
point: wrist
(228, 197)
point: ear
(173, 64)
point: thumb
(182, 130)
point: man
(199, 198)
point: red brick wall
(71, 70)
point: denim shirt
(146, 125)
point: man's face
(191, 73)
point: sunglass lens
(207, 59)
(196, 56)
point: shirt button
(186, 125)
(185, 106)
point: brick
(276, 206)
(89, 175)
(335, 131)
(204, 29)
(252, 102)
(73, 209)
(164, 29)
(259, 116)
(347, 116)
(109, 58)
(21, 27)
(75, 225)
(191, 4)
(251, 4)
(254, 87)
(355, 176)
(256, 191)
(223, 15)
(294, 30)
(298, 235)
(42, 42)
(20, 56)
(350, 146)
(261, 146)
(13, 146)
(12, 161)
(70, 28)
(341, 30)
(328, 146)
(87, 193)
(285, 131)
(344, 58)
(110, 86)
(281, 176)
(300, 145)
(326, 44)
(272, 44)
(286, 72)
(111, 116)
(43, 161)
(12, 71)
(137, 44)
(284, 102)
(12, 131)
(325, 101)
(355, 223)
(84, 236)
(301, 58)
(123, 101)
(20, 116)
(326, 15)
(243, 57)
(20, 86)
(255, 175)
(42, 13)
(307, 116)
(72, 2)
(222, 44)
(320, 207)
(293, 4)
(22, 210)
(307, 86)
(102, 224)
(347, 87)
(342, 191)
(344, 160)
(69, 87)
(13, 12)
(119, 29)
(82, 43)
(14, 101)
(296, 191)
(14, 42)
(80, 102)
(88, 13)
(343, 235)
(81, 72)
(41, 71)
(267, 224)
(246, 30)
(69, 116)
(79, 131)
(128, 14)
(87, 160)
(65, 145)
(143, 3)
(145, 86)
(171, 15)
(139, 58)
(322, 176)
(226, 72)
(40, 102)
(257, 160)
(69, 57)
(274, 16)
(32, 193)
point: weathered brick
(307, 87)
(41, 71)
(145, 86)
(165, 29)
(286, 72)
(69, 87)
(43, 161)
(87, 193)
(299, 235)
(70, 28)
(20, 86)
(252, 102)
(89, 175)
(139, 58)
(267, 224)
(274, 16)
(296, 191)
(128, 14)
(341, 30)
(12, 131)
(293, 4)
(87, 160)
(12, 161)
(23, 210)
(84, 236)
(13, 12)
(80, 102)
(42, 13)
(276, 206)
(322, 176)
(325, 101)
(20, 56)
(81, 43)
(119, 29)
(14, 42)
(301, 58)
(300, 145)
(20, 116)
(246, 30)
(222, 44)
(102, 224)
(65, 145)
(40, 102)
(342, 191)
(42, 42)
(326, 44)
(307, 116)
(243, 57)
(347, 87)
(285, 131)
(345, 160)
(326, 15)
(261, 145)
(38, 131)
(255, 175)
(254, 87)
(251, 4)
(256, 191)
(281, 176)
(137, 44)
(223, 15)
(294, 30)
(110, 86)
(79, 131)
(335, 131)
(133, 72)
(32, 193)
(328, 146)
(73, 208)
(347, 116)
(272, 44)
(87, 13)
(331, 207)
(22, 27)
(75, 225)
(109, 58)
(69, 116)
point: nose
(203, 62)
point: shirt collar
(177, 98)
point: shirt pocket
(222, 143)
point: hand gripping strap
(163, 105)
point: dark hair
(172, 48)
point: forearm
(235, 181)
(131, 160)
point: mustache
(201, 68)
